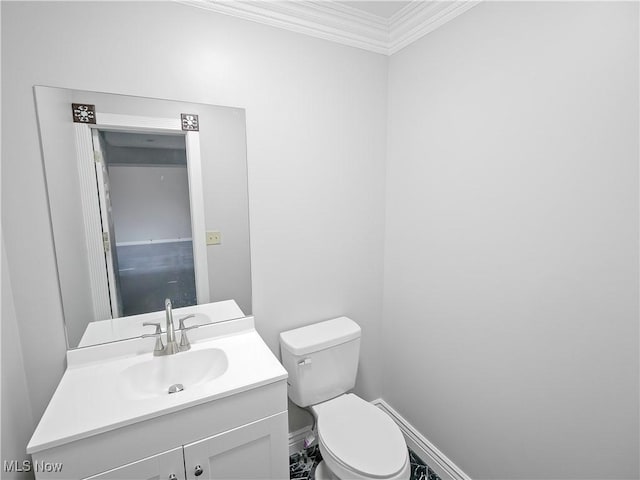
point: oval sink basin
(153, 378)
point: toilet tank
(321, 359)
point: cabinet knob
(173, 477)
(198, 471)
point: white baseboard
(427, 451)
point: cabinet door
(164, 466)
(258, 450)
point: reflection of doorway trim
(92, 222)
(108, 241)
(91, 211)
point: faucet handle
(153, 324)
(159, 347)
(184, 340)
(181, 322)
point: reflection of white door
(93, 176)
(108, 236)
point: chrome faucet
(172, 346)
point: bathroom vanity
(127, 407)
(112, 417)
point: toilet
(357, 440)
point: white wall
(63, 183)
(316, 120)
(17, 419)
(150, 202)
(511, 256)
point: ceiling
(143, 149)
(143, 140)
(378, 26)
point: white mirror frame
(86, 160)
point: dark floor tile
(302, 465)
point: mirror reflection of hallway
(148, 221)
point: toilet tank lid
(319, 336)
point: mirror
(148, 200)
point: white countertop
(89, 400)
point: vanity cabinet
(164, 466)
(102, 425)
(253, 451)
(242, 436)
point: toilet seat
(360, 439)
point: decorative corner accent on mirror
(190, 122)
(83, 113)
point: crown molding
(421, 17)
(337, 22)
(322, 19)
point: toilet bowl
(359, 441)
(356, 439)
